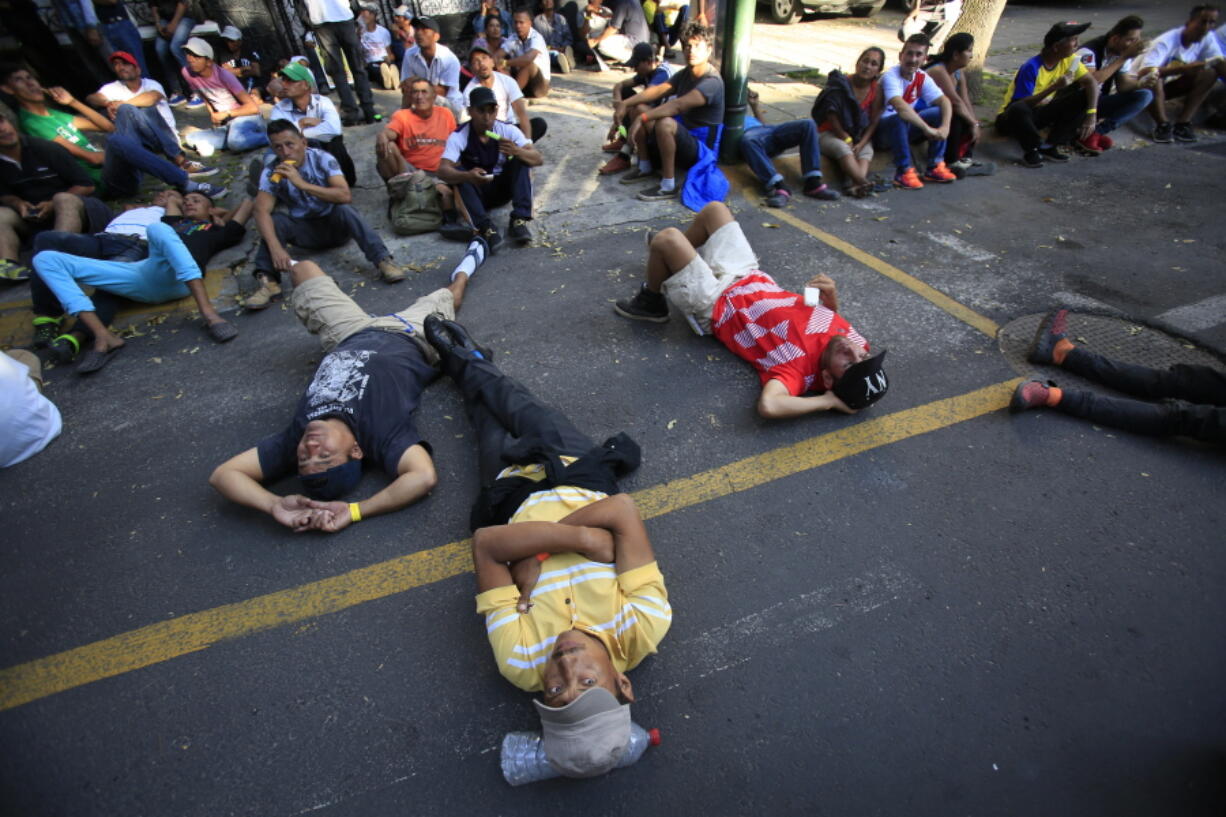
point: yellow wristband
(848, 140)
(1091, 110)
(355, 513)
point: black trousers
(335, 40)
(502, 410)
(1193, 398)
(1063, 115)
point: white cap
(199, 47)
(231, 33)
(403, 11)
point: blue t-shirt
(317, 168)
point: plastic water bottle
(523, 754)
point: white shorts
(722, 261)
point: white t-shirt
(919, 87)
(118, 92)
(328, 11)
(506, 91)
(135, 222)
(458, 140)
(1168, 49)
(517, 48)
(444, 69)
(375, 43)
(28, 421)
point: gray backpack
(420, 209)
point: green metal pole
(737, 28)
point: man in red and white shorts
(808, 357)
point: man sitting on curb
(710, 273)
(358, 406)
(1106, 57)
(315, 116)
(41, 187)
(549, 506)
(902, 87)
(235, 114)
(318, 213)
(761, 142)
(1040, 97)
(1187, 62)
(149, 98)
(491, 162)
(118, 170)
(685, 131)
(648, 72)
(528, 56)
(1193, 398)
(436, 62)
(179, 247)
(512, 107)
(414, 140)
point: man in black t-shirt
(359, 406)
(698, 102)
(41, 186)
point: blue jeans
(1116, 109)
(513, 184)
(160, 277)
(174, 47)
(758, 145)
(898, 133)
(324, 232)
(126, 37)
(133, 150)
(243, 133)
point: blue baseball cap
(333, 483)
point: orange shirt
(421, 141)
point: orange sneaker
(939, 174)
(908, 180)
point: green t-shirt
(58, 125)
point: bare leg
(457, 286)
(1191, 103)
(69, 212)
(640, 139)
(670, 251)
(10, 238)
(389, 166)
(666, 143)
(305, 270)
(104, 339)
(1157, 108)
(201, 296)
(852, 169)
(709, 219)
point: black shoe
(46, 330)
(518, 231)
(1183, 132)
(1052, 330)
(644, 306)
(493, 238)
(1163, 133)
(64, 349)
(1032, 158)
(454, 345)
(453, 230)
(1055, 153)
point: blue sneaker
(195, 102)
(177, 100)
(213, 191)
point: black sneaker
(778, 196)
(518, 231)
(493, 238)
(644, 306)
(1055, 153)
(1183, 132)
(1032, 158)
(46, 329)
(658, 194)
(1163, 133)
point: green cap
(297, 72)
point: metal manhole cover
(1116, 338)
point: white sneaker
(205, 149)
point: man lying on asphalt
(566, 577)
(358, 406)
(710, 273)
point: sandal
(93, 360)
(222, 331)
(13, 271)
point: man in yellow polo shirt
(566, 577)
(1051, 90)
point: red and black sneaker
(1032, 394)
(1052, 330)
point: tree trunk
(979, 19)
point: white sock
(644, 165)
(668, 184)
(473, 258)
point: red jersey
(774, 330)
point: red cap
(126, 57)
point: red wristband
(643, 117)
(540, 557)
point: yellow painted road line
(165, 640)
(963, 313)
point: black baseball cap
(425, 22)
(864, 383)
(1061, 30)
(642, 53)
(481, 96)
(478, 47)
